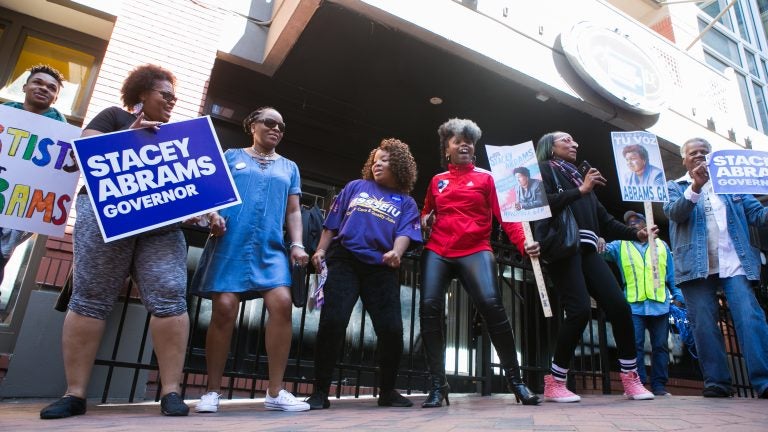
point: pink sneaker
(556, 391)
(633, 388)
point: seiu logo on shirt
(375, 205)
(441, 184)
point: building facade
(347, 73)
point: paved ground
(466, 413)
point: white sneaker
(285, 401)
(209, 403)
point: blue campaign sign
(739, 171)
(140, 179)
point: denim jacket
(688, 231)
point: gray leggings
(155, 260)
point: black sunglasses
(167, 96)
(271, 123)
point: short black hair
(522, 170)
(47, 69)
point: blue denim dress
(251, 256)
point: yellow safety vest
(639, 277)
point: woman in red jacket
(458, 212)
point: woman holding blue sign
(245, 258)
(155, 260)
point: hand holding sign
(141, 122)
(700, 176)
(517, 178)
(138, 180)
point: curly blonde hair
(401, 163)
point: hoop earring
(448, 158)
(474, 158)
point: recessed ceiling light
(435, 100)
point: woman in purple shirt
(371, 224)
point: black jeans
(378, 287)
(478, 275)
(575, 280)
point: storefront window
(713, 9)
(721, 43)
(741, 22)
(746, 100)
(76, 66)
(762, 110)
(762, 6)
(715, 62)
(752, 63)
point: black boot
(434, 350)
(517, 386)
(437, 393)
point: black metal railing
(471, 364)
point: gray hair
(693, 140)
(457, 127)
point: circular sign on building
(614, 66)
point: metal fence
(472, 365)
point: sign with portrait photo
(140, 179)
(638, 163)
(519, 188)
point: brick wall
(664, 28)
(179, 35)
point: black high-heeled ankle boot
(522, 392)
(437, 393)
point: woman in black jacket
(585, 274)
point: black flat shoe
(173, 405)
(394, 399)
(715, 392)
(67, 406)
(318, 400)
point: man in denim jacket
(711, 250)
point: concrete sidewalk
(466, 413)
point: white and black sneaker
(285, 401)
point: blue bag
(678, 318)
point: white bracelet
(298, 245)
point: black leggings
(478, 275)
(575, 280)
(378, 287)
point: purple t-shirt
(368, 218)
